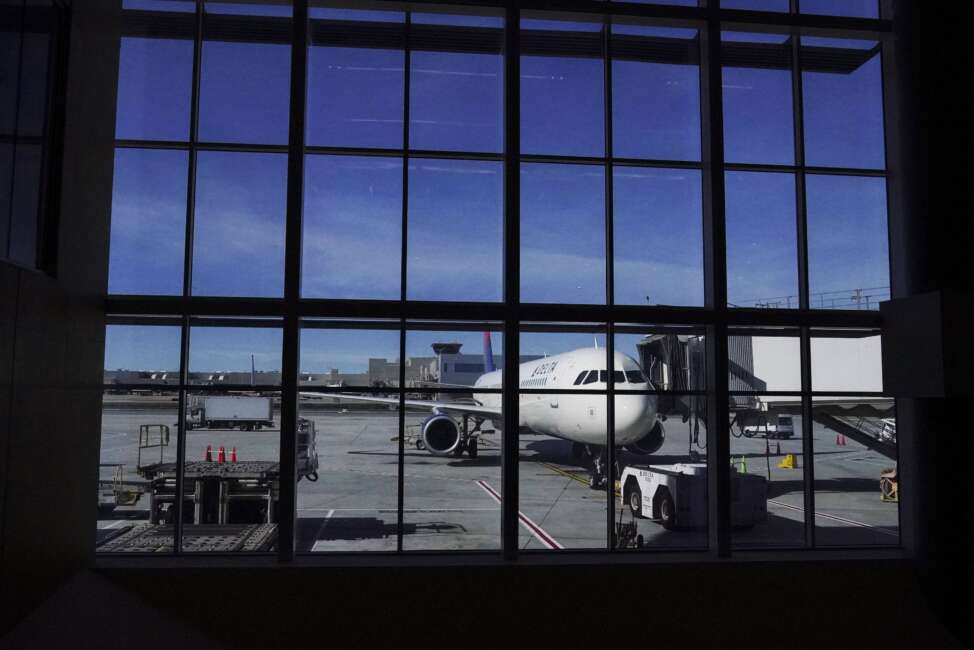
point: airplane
(571, 415)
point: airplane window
(593, 376)
(580, 377)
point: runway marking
(539, 533)
(835, 518)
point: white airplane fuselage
(573, 414)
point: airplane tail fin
(488, 354)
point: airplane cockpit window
(635, 377)
(618, 376)
(580, 377)
(593, 376)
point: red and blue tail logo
(488, 354)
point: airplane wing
(456, 408)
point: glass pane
(160, 5)
(353, 506)
(452, 501)
(456, 101)
(25, 203)
(767, 475)
(455, 358)
(843, 102)
(355, 94)
(758, 109)
(142, 354)
(35, 74)
(856, 8)
(348, 501)
(154, 88)
(238, 247)
(458, 205)
(244, 85)
(756, 5)
(562, 233)
(232, 471)
(666, 79)
(758, 363)
(672, 358)
(136, 503)
(564, 435)
(551, 83)
(349, 357)
(247, 8)
(853, 363)
(148, 231)
(6, 180)
(237, 356)
(662, 488)
(848, 249)
(352, 243)
(856, 483)
(658, 233)
(762, 248)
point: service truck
(676, 495)
(244, 412)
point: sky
(352, 239)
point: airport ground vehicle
(676, 495)
(783, 428)
(244, 412)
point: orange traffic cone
(222, 457)
(233, 455)
(208, 456)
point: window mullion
(287, 504)
(512, 258)
(715, 274)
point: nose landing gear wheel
(472, 448)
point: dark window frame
(715, 318)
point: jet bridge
(868, 421)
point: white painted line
(843, 520)
(539, 533)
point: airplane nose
(634, 415)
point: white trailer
(245, 412)
(676, 495)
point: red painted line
(526, 521)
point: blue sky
(353, 204)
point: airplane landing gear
(598, 477)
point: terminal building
(177, 165)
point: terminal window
(393, 278)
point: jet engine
(441, 435)
(649, 443)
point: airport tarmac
(454, 503)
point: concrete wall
(52, 348)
